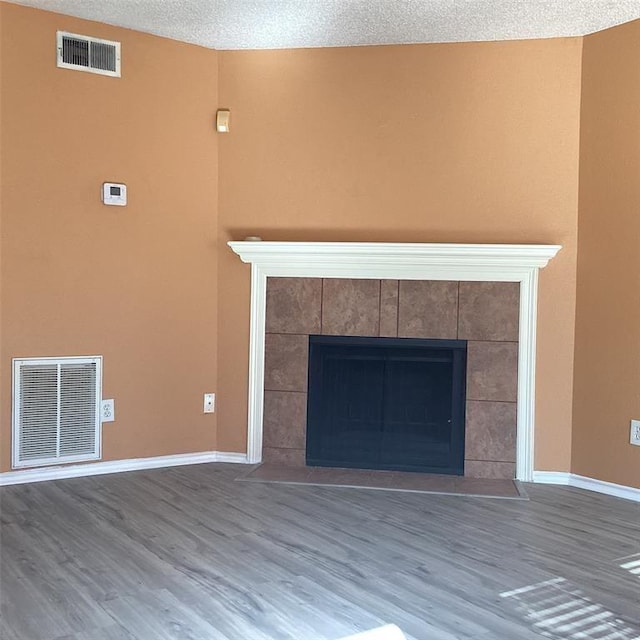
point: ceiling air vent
(88, 54)
(56, 414)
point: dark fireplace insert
(386, 403)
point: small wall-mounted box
(114, 193)
(209, 402)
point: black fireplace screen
(386, 403)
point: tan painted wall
(607, 358)
(424, 143)
(136, 285)
(5, 396)
(463, 142)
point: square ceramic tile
(491, 431)
(485, 469)
(285, 362)
(496, 487)
(489, 311)
(279, 473)
(428, 309)
(492, 371)
(293, 305)
(350, 307)
(285, 419)
(284, 457)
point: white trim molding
(231, 457)
(399, 261)
(551, 477)
(590, 484)
(43, 474)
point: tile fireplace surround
(484, 313)
(485, 294)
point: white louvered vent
(56, 415)
(84, 53)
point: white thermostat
(114, 193)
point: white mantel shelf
(365, 257)
(403, 261)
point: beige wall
(470, 142)
(136, 284)
(5, 395)
(422, 143)
(607, 358)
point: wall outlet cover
(635, 432)
(108, 410)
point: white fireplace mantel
(399, 261)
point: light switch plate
(635, 432)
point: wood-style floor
(190, 554)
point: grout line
(321, 306)
(280, 333)
(458, 313)
(380, 308)
(306, 375)
(490, 461)
(397, 308)
(289, 391)
(494, 341)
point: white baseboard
(551, 477)
(117, 466)
(137, 464)
(601, 486)
(232, 457)
(590, 484)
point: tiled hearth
(483, 313)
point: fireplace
(277, 359)
(482, 314)
(386, 403)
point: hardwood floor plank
(39, 578)
(161, 616)
(191, 554)
(111, 632)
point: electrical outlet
(108, 411)
(635, 432)
(209, 402)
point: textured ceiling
(276, 24)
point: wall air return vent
(88, 54)
(56, 415)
